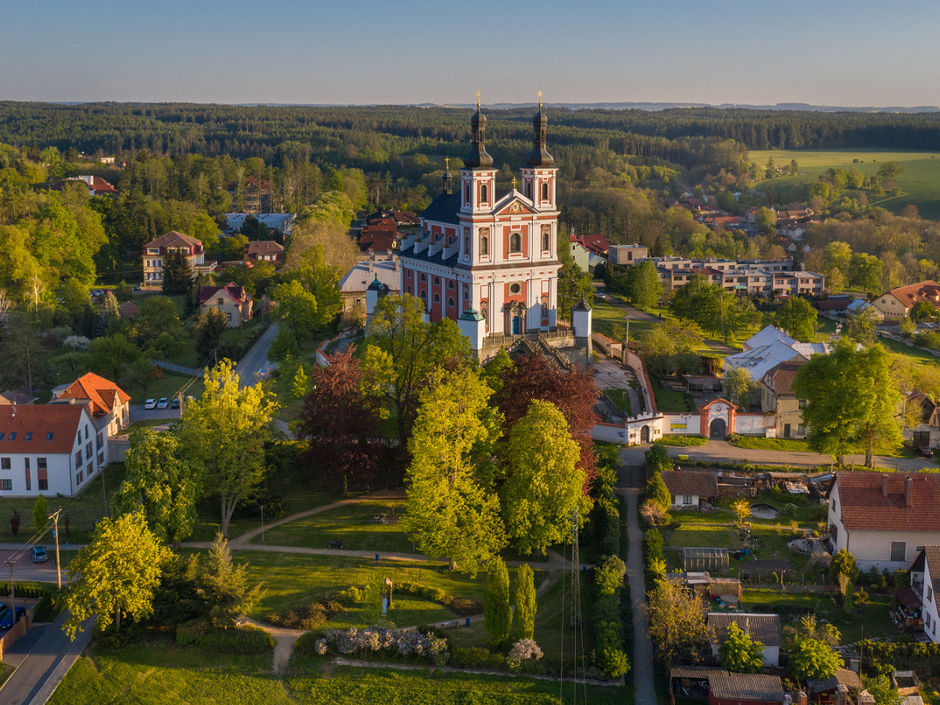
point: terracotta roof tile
(909, 295)
(33, 424)
(233, 290)
(172, 238)
(782, 376)
(864, 506)
(692, 482)
(100, 391)
(264, 247)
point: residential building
(256, 196)
(884, 519)
(110, 405)
(489, 260)
(764, 628)
(925, 582)
(49, 448)
(841, 688)
(720, 687)
(926, 433)
(96, 185)
(14, 396)
(689, 488)
(230, 299)
(768, 278)
(588, 251)
(277, 222)
(265, 251)
(778, 398)
(898, 302)
(356, 281)
(625, 255)
(859, 306)
(155, 253)
(766, 349)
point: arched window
(466, 193)
(544, 190)
(437, 298)
(483, 193)
(515, 242)
(450, 300)
(546, 239)
(485, 241)
(528, 189)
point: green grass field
(919, 183)
(621, 400)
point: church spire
(448, 179)
(539, 155)
(478, 157)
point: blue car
(6, 616)
(38, 554)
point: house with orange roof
(898, 302)
(155, 252)
(49, 448)
(110, 405)
(231, 299)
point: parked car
(38, 554)
(6, 618)
(163, 403)
(175, 403)
(926, 452)
(150, 404)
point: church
(489, 260)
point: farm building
(719, 687)
(688, 488)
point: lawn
(621, 400)
(919, 183)
(372, 525)
(685, 441)
(761, 443)
(699, 536)
(669, 400)
(292, 580)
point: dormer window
(515, 242)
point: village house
(884, 519)
(925, 582)
(625, 255)
(155, 253)
(264, 251)
(49, 448)
(764, 628)
(688, 488)
(768, 348)
(720, 687)
(230, 299)
(277, 222)
(96, 185)
(778, 398)
(256, 195)
(898, 302)
(357, 280)
(110, 405)
(926, 433)
(588, 251)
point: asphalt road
(42, 657)
(24, 568)
(255, 362)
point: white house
(884, 519)
(764, 628)
(925, 581)
(110, 405)
(49, 448)
(689, 487)
(768, 348)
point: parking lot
(24, 569)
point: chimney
(801, 698)
(908, 491)
(884, 486)
(13, 405)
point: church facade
(486, 257)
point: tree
(497, 615)
(656, 491)
(224, 586)
(865, 271)
(524, 604)
(862, 327)
(657, 459)
(403, 352)
(40, 512)
(645, 286)
(178, 273)
(224, 432)
(881, 689)
(161, 484)
(677, 623)
(843, 563)
(850, 399)
(671, 347)
(740, 652)
(741, 508)
(451, 510)
(341, 418)
(573, 284)
(543, 488)
(296, 309)
(812, 659)
(739, 387)
(797, 317)
(923, 311)
(712, 307)
(766, 221)
(208, 333)
(115, 575)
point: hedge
(477, 657)
(30, 590)
(233, 640)
(922, 658)
(355, 594)
(610, 659)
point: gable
(514, 206)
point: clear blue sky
(365, 51)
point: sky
(824, 52)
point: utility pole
(58, 566)
(10, 561)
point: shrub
(309, 617)
(497, 615)
(613, 663)
(843, 562)
(523, 650)
(657, 492)
(608, 576)
(376, 640)
(610, 539)
(477, 657)
(231, 640)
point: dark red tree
(342, 425)
(572, 391)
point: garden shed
(699, 559)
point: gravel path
(643, 691)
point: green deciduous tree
(524, 604)
(843, 563)
(677, 623)
(296, 309)
(797, 317)
(542, 492)
(740, 652)
(739, 387)
(40, 512)
(813, 659)
(497, 615)
(161, 483)
(451, 510)
(115, 575)
(881, 689)
(224, 432)
(851, 401)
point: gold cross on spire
(478, 98)
(514, 183)
(540, 100)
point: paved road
(643, 691)
(256, 360)
(139, 413)
(42, 657)
(24, 569)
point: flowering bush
(523, 650)
(376, 640)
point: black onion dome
(539, 155)
(478, 158)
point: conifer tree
(496, 613)
(523, 603)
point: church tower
(478, 177)
(538, 175)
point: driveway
(643, 691)
(25, 570)
(139, 413)
(256, 363)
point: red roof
(598, 244)
(866, 505)
(909, 295)
(264, 247)
(40, 428)
(103, 393)
(377, 243)
(101, 186)
(232, 290)
(174, 238)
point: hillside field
(919, 183)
